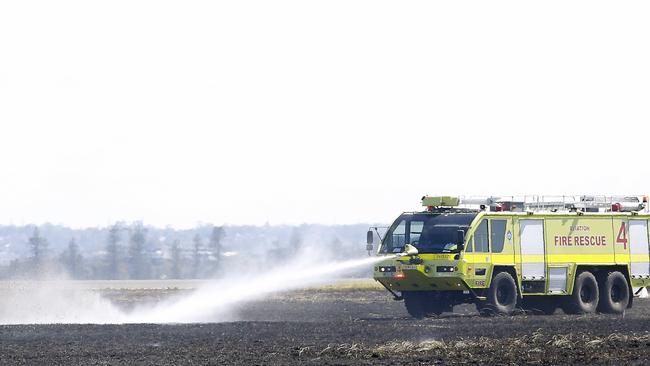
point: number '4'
(622, 237)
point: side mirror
(369, 239)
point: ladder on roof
(571, 203)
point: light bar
(437, 201)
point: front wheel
(422, 303)
(415, 304)
(501, 296)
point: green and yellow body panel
(570, 241)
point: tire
(584, 299)
(415, 304)
(501, 296)
(614, 294)
(420, 304)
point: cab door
(481, 259)
(501, 243)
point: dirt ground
(336, 327)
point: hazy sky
(175, 112)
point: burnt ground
(343, 327)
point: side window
(416, 232)
(469, 247)
(398, 239)
(497, 235)
(481, 238)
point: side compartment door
(639, 253)
(533, 258)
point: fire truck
(583, 254)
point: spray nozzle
(408, 250)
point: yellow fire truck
(579, 253)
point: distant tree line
(134, 251)
(126, 256)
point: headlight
(386, 268)
(445, 269)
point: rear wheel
(615, 294)
(501, 296)
(584, 299)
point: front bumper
(443, 273)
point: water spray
(216, 301)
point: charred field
(335, 326)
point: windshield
(429, 233)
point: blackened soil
(342, 328)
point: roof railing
(534, 203)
